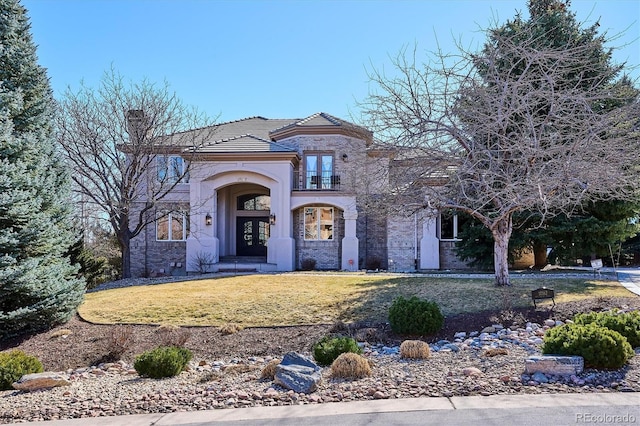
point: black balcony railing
(314, 182)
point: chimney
(137, 125)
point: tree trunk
(501, 235)
(125, 248)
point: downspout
(415, 240)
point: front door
(252, 234)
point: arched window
(254, 202)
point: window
(254, 202)
(318, 223)
(171, 168)
(448, 225)
(319, 171)
(172, 227)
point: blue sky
(278, 59)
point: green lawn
(295, 299)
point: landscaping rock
(38, 381)
(554, 365)
(298, 373)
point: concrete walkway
(630, 279)
(423, 409)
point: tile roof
(256, 134)
(243, 143)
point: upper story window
(171, 168)
(318, 223)
(172, 227)
(319, 171)
(254, 202)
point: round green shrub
(164, 361)
(15, 364)
(415, 316)
(627, 324)
(599, 346)
(329, 348)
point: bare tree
(519, 127)
(129, 146)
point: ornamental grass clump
(269, 370)
(161, 362)
(627, 323)
(15, 364)
(350, 365)
(329, 348)
(414, 349)
(415, 316)
(599, 346)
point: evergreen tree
(38, 284)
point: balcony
(313, 182)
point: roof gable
(321, 123)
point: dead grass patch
(302, 299)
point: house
(282, 194)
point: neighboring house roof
(243, 143)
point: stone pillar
(429, 245)
(350, 242)
(281, 245)
(202, 242)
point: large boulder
(298, 373)
(38, 381)
(557, 365)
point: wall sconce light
(208, 220)
(272, 219)
(345, 157)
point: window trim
(319, 223)
(169, 219)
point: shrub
(15, 364)
(173, 335)
(599, 346)
(415, 349)
(269, 370)
(351, 366)
(627, 324)
(230, 328)
(415, 316)
(118, 340)
(164, 361)
(308, 264)
(329, 348)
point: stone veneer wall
(153, 258)
(448, 258)
(327, 254)
(401, 243)
(371, 230)
(350, 171)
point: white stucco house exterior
(286, 194)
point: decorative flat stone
(38, 381)
(557, 365)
